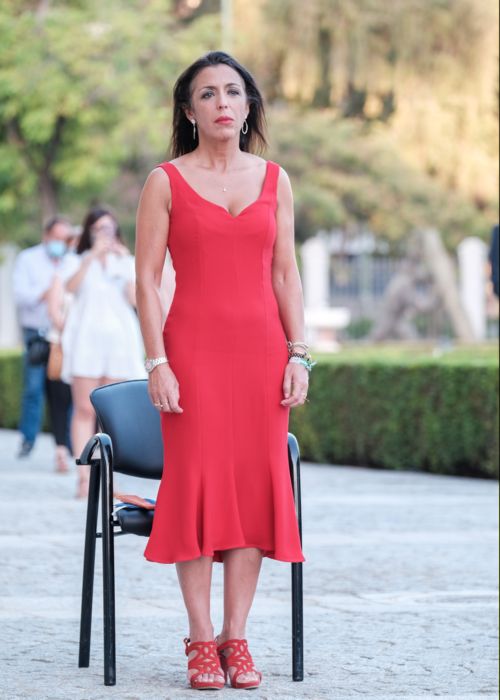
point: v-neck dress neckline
(220, 206)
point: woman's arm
(55, 299)
(98, 251)
(73, 283)
(151, 246)
(288, 291)
(130, 294)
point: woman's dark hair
(85, 241)
(182, 131)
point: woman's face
(219, 102)
(103, 228)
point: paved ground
(400, 581)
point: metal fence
(359, 282)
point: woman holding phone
(101, 340)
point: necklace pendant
(224, 189)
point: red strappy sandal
(240, 659)
(205, 661)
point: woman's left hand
(295, 385)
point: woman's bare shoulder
(157, 178)
(157, 187)
(283, 178)
(284, 189)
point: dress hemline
(216, 552)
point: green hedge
(10, 388)
(436, 416)
(430, 416)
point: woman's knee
(82, 411)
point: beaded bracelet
(291, 344)
(306, 362)
(306, 355)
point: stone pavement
(400, 592)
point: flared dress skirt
(226, 481)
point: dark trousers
(60, 410)
(33, 396)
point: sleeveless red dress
(225, 480)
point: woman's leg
(241, 573)
(83, 422)
(82, 425)
(195, 579)
(59, 401)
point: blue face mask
(56, 249)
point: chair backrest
(125, 412)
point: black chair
(131, 443)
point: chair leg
(297, 623)
(108, 565)
(88, 567)
(297, 588)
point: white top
(101, 336)
(33, 275)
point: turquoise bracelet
(308, 364)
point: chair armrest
(89, 449)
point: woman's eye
(206, 94)
(234, 92)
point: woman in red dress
(229, 362)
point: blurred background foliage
(384, 112)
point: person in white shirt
(101, 340)
(34, 272)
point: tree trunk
(441, 267)
(322, 96)
(47, 191)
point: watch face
(148, 365)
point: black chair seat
(134, 520)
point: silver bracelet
(151, 362)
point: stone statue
(425, 282)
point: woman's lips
(224, 120)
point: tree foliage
(83, 95)
(383, 111)
(423, 74)
(350, 175)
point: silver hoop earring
(244, 128)
(194, 131)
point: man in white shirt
(34, 273)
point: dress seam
(266, 364)
(201, 484)
(233, 455)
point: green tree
(384, 111)
(426, 70)
(351, 177)
(84, 92)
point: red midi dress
(225, 481)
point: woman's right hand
(163, 389)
